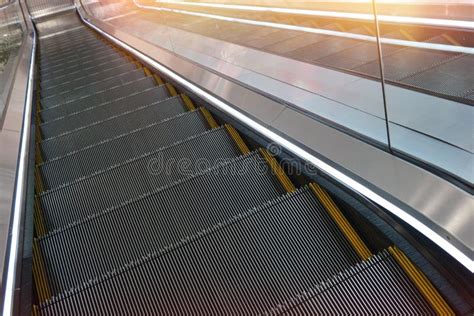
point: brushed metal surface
(443, 207)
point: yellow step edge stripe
(187, 102)
(426, 288)
(41, 268)
(39, 185)
(35, 311)
(38, 218)
(278, 171)
(237, 139)
(208, 116)
(147, 71)
(158, 80)
(38, 155)
(38, 274)
(341, 222)
(39, 135)
(171, 90)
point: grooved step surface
(122, 148)
(117, 125)
(156, 220)
(93, 88)
(97, 99)
(99, 113)
(82, 81)
(244, 265)
(67, 76)
(376, 287)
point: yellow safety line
(451, 40)
(424, 285)
(40, 272)
(39, 135)
(278, 171)
(171, 90)
(187, 102)
(147, 71)
(38, 218)
(158, 80)
(341, 221)
(408, 35)
(39, 186)
(38, 155)
(340, 27)
(237, 139)
(208, 116)
(35, 310)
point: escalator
(146, 203)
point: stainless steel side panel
(414, 192)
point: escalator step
(73, 65)
(54, 79)
(122, 148)
(143, 171)
(61, 58)
(375, 287)
(240, 264)
(52, 49)
(93, 88)
(97, 99)
(151, 206)
(93, 115)
(117, 125)
(51, 65)
(91, 78)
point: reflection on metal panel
(39, 8)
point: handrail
(19, 198)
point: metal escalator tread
(96, 99)
(122, 148)
(73, 64)
(72, 41)
(374, 287)
(60, 58)
(48, 115)
(93, 115)
(119, 124)
(92, 88)
(51, 65)
(67, 76)
(67, 48)
(147, 168)
(93, 77)
(152, 204)
(240, 264)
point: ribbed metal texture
(121, 148)
(155, 220)
(41, 7)
(59, 57)
(54, 65)
(116, 125)
(375, 287)
(148, 172)
(92, 88)
(55, 79)
(97, 99)
(82, 81)
(99, 113)
(240, 264)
